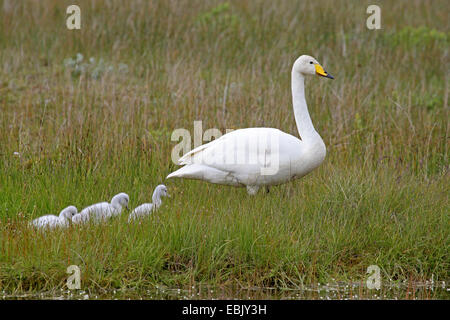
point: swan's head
(120, 199)
(307, 65)
(68, 212)
(160, 191)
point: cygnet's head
(121, 199)
(160, 191)
(307, 65)
(80, 218)
(68, 212)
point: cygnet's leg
(252, 190)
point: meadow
(86, 114)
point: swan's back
(244, 152)
(100, 210)
(141, 211)
(243, 143)
(48, 221)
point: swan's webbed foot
(252, 190)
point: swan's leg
(252, 190)
(267, 189)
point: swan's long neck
(64, 215)
(305, 126)
(115, 202)
(156, 200)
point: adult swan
(256, 157)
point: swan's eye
(311, 62)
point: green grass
(86, 133)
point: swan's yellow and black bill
(321, 72)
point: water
(340, 291)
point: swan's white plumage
(100, 210)
(52, 221)
(103, 210)
(141, 211)
(277, 157)
(80, 218)
(147, 208)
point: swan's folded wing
(187, 158)
(46, 221)
(245, 150)
(140, 211)
(98, 210)
(145, 208)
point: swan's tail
(188, 171)
(203, 172)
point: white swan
(103, 210)
(52, 221)
(256, 157)
(147, 208)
